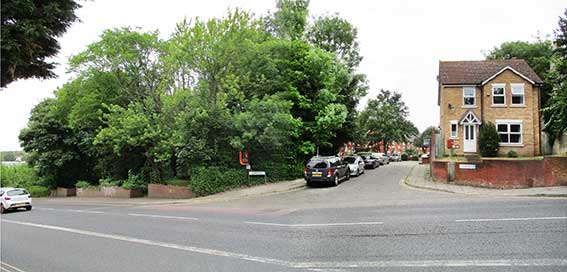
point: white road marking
(207, 251)
(313, 225)
(70, 210)
(512, 219)
(436, 263)
(312, 265)
(163, 216)
(3, 264)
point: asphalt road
(369, 223)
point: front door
(470, 138)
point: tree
(537, 54)
(384, 119)
(29, 32)
(426, 134)
(556, 107)
(290, 20)
(488, 140)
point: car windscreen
(17, 192)
(350, 159)
(317, 164)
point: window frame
(473, 96)
(499, 85)
(456, 123)
(523, 95)
(509, 132)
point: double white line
(4, 267)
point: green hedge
(212, 180)
(20, 175)
(404, 156)
(38, 191)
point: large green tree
(29, 36)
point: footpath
(420, 177)
(239, 193)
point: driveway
(369, 223)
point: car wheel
(28, 208)
(358, 172)
(2, 210)
(336, 180)
(347, 174)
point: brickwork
(109, 191)
(169, 191)
(506, 174)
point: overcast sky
(401, 42)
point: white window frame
(456, 131)
(499, 85)
(473, 96)
(508, 123)
(523, 94)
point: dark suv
(326, 169)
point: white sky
(401, 41)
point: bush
(133, 182)
(404, 156)
(512, 154)
(489, 140)
(83, 184)
(212, 180)
(415, 157)
(20, 176)
(38, 191)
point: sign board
(467, 166)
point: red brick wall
(439, 171)
(507, 174)
(169, 191)
(555, 171)
(504, 174)
(109, 191)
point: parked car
(395, 157)
(370, 161)
(330, 170)
(382, 158)
(14, 198)
(355, 164)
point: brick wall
(109, 191)
(506, 174)
(169, 191)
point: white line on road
(70, 210)
(313, 225)
(312, 265)
(3, 266)
(512, 219)
(163, 216)
(156, 243)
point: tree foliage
(29, 31)
(488, 140)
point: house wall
(529, 113)
(454, 96)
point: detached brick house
(506, 93)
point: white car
(355, 165)
(14, 198)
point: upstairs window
(469, 96)
(498, 94)
(517, 94)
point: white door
(470, 138)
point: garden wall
(63, 192)
(505, 174)
(169, 191)
(109, 191)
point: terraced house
(506, 93)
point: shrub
(38, 191)
(512, 154)
(489, 140)
(83, 184)
(133, 182)
(415, 157)
(20, 176)
(212, 180)
(404, 156)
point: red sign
(450, 143)
(243, 156)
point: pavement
(373, 222)
(420, 177)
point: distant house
(506, 93)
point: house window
(498, 97)
(517, 94)
(454, 129)
(468, 96)
(510, 132)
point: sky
(401, 42)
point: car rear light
(7, 198)
(305, 170)
(329, 172)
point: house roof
(478, 72)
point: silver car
(355, 164)
(14, 198)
